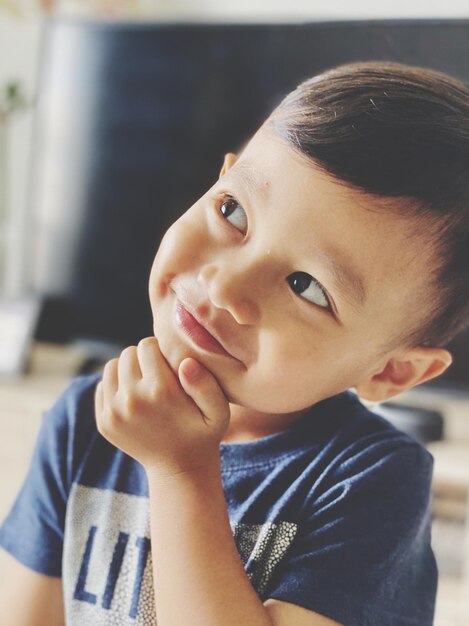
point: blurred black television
(132, 125)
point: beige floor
(23, 401)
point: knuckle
(101, 427)
(105, 423)
(110, 366)
(154, 390)
(128, 351)
(98, 389)
(129, 402)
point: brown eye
(308, 287)
(234, 213)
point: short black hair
(401, 134)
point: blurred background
(102, 104)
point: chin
(175, 351)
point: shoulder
(365, 454)
(38, 514)
(362, 551)
(75, 401)
(81, 389)
(69, 425)
(357, 432)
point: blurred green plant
(12, 100)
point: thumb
(202, 386)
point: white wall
(275, 10)
(19, 50)
(336, 9)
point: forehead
(331, 222)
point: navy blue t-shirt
(331, 514)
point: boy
(330, 256)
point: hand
(169, 425)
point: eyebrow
(242, 171)
(346, 280)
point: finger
(152, 362)
(203, 388)
(128, 368)
(110, 379)
(98, 399)
(149, 357)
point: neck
(247, 424)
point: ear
(230, 159)
(403, 371)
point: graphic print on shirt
(261, 547)
(107, 561)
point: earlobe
(230, 159)
(404, 371)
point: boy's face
(245, 256)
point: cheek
(281, 379)
(177, 252)
(290, 375)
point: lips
(192, 327)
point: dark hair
(401, 134)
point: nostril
(227, 290)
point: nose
(232, 290)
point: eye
(302, 283)
(308, 287)
(234, 213)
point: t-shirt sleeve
(33, 531)
(362, 555)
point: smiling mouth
(196, 332)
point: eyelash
(222, 200)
